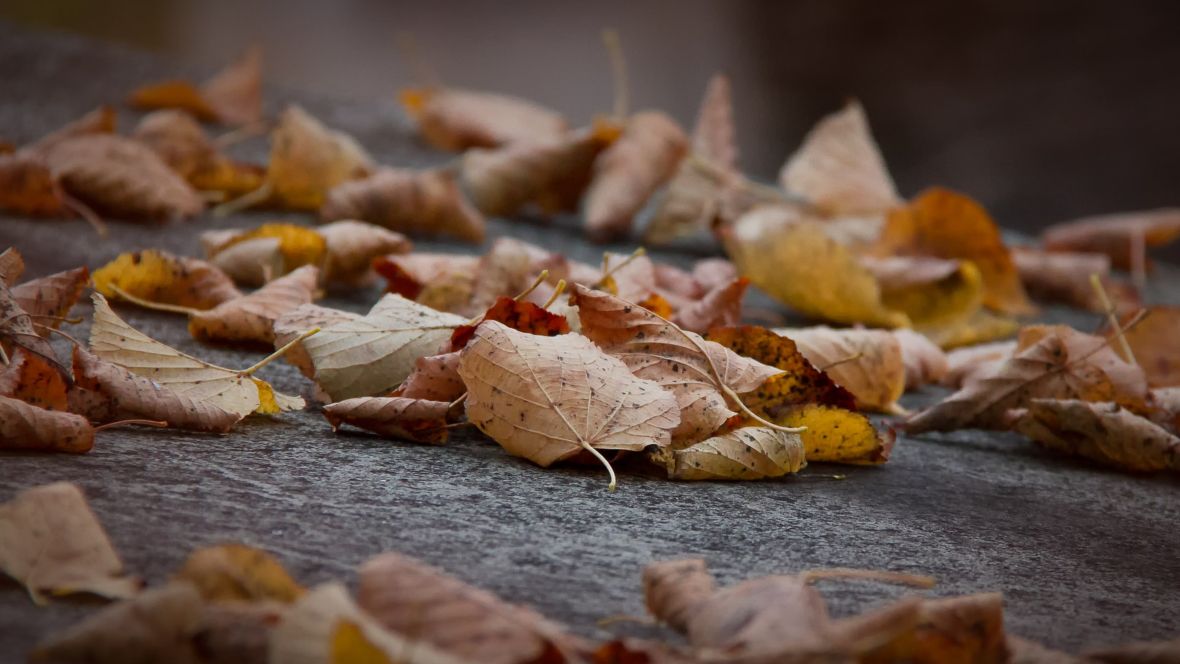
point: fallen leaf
(981, 326)
(112, 392)
(406, 418)
(291, 324)
(868, 363)
(1061, 276)
(710, 273)
(781, 252)
(701, 374)
(747, 453)
(713, 134)
(237, 392)
(838, 435)
(252, 262)
(644, 157)
(455, 120)
(409, 275)
(720, 307)
(238, 573)
(352, 247)
(24, 426)
(410, 597)
(508, 268)
(1023, 651)
(307, 160)
(1115, 235)
(681, 282)
(1051, 362)
(49, 299)
(51, 542)
(17, 330)
(434, 378)
(965, 365)
(256, 256)
(1103, 432)
(839, 167)
(251, 318)
(31, 379)
(945, 224)
(925, 363)
(101, 120)
(29, 188)
(121, 177)
(551, 174)
(182, 144)
(371, 355)
(158, 276)
(935, 294)
(1136, 652)
(414, 202)
(1153, 343)
(233, 95)
(326, 627)
(520, 316)
(12, 266)
(955, 629)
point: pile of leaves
(235, 603)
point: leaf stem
(156, 306)
(556, 294)
(1108, 306)
(618, 68)
(609, 270)
(598, 455)
(901, 578)
(90, 216)
(536, 282)
(278, 353)
(247, 200)
(149, 423)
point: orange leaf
(520, 316)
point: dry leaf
(946, 224)
(434, 378)
(33, 380)
(24, 426)
(981, 326)
(1154, 344)
(455, 120)
(551, 398)
(936, 294)
(1061, 276)
(237, 392)
(17, 330)
(410, 597)
(371, 355)
(713, 134)
(50, 299)
(256, 256)
(233, 95)
(411, 275)
(326, 627)
(181, 142)
(251, 318)
(508, 268)
(629, 171)
(238, 573)
(413, 202)
(710, 273)
(1104, 432)
(699, 373)
(158, 276)
(838, 435)
(720, 307)
(781, 252)
(121, 177)
(307, 160)
(406, 418)
(550, 174)
(520, 316)
(98, 121)
(51, 542)
(925, 363)
(868, 363)
(839, 167)
(966, 365)
(111, 393)
(1051, 362)
(1136, 652)
(299, 320)
(252, 262)
(1023, 651)
(1116, 235)
(352, 247)
(12, 266)
(29, 188)
(748, 453)
(956, 629)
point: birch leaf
(237, 392)
(454, 120)
(159, 276)
(406, 418)
(373, 354)
(868, 363)
(24, 426)
(1103, 432)
(696, 371)
(412, 202)
(550, 398)
(238, 573)
(747, 453)
(52, 543)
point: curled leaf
(868, 363)
(295, 322)
(713, 134)
(411, 275)
(307, 160)
(435, 377)
(454, 120)
(51, 298)
(1153, 342)
(158, 276)
(251, 318)
(925, 362)
(955, 629)
(1103, 432)
(720, 307)
(12, 266)
(28, 186)
(838, 435)
(413, 202)
(98, 121)
(33, 380)
(238, 573)
(1119, 236)
(965, 365)
(181, 142)
(520, 316)
(395, 417)
(233, 95)
(353, 245)
(24, 426)
(748, 453)
(1062, 276)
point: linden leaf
(237, 392)
(158, 276)
(748, 453)
(410, 597)
(720, 307)
(12, 266)
(49, 299)
(251, 318)
(1153, 343)
(713, 134)
(24, 426)
(307, 160)
(235, 572)
(17, 330)
(410, 275)
(233, 95)
(520, 316)
(1103, 432)
(33, 380)
(982, 326)
(28, 187)
(838, 435)
(373, 354)
(955, 629)
(353, 245)
(455, 120)
(434, 378)
(394, 417)
(52, 543)
(1119, 236)
(628, 172)
(925, 363)
(1063, 276)
(868, 363)
(966, 365)
(299, 320)
(935, 294)
(181, 143)
(412, 202)
(98, 121)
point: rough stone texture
(1083, 555)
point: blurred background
(1042, 110)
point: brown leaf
(672, 279)
(868, 363)
(1115, 235)
(406, 418)
(508, 268)
(1051, 362)
(945, 224)
(699, 196)
(629, 171)
(550, 398)
(720, 307)
(295, 322)
(1154, 344)
(455, 120)
(957, 629)
(259, 255)
(435, 378)
(238, 573)
(52, 543)
(29, 188)
(181, 142)
(251, 318)
(412, 202)
(17, 330)
(839, 167)
(233, 95)
(710, 273)
(747, 453)
(1136, 652)
(410, 275)
(520, 316)
(98, 121)
(1061, 276)
(966, 365)
(551, 174)
(307, 160)
(121, 177)
(12, 266)
(50, 298)
(713, 134)
(925, 363)
(161, 277)
(1104, 432)
(115, 393)
(696, 371)
(24, 426)
(352, 247)
(1023, 651)
(410, 597)
(34, 381)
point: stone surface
(1084, 556)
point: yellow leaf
(238, 572)
(307, 159)
(980, 327)
(349, 646)
(299, 245)
(159, 276)
(837, 435)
